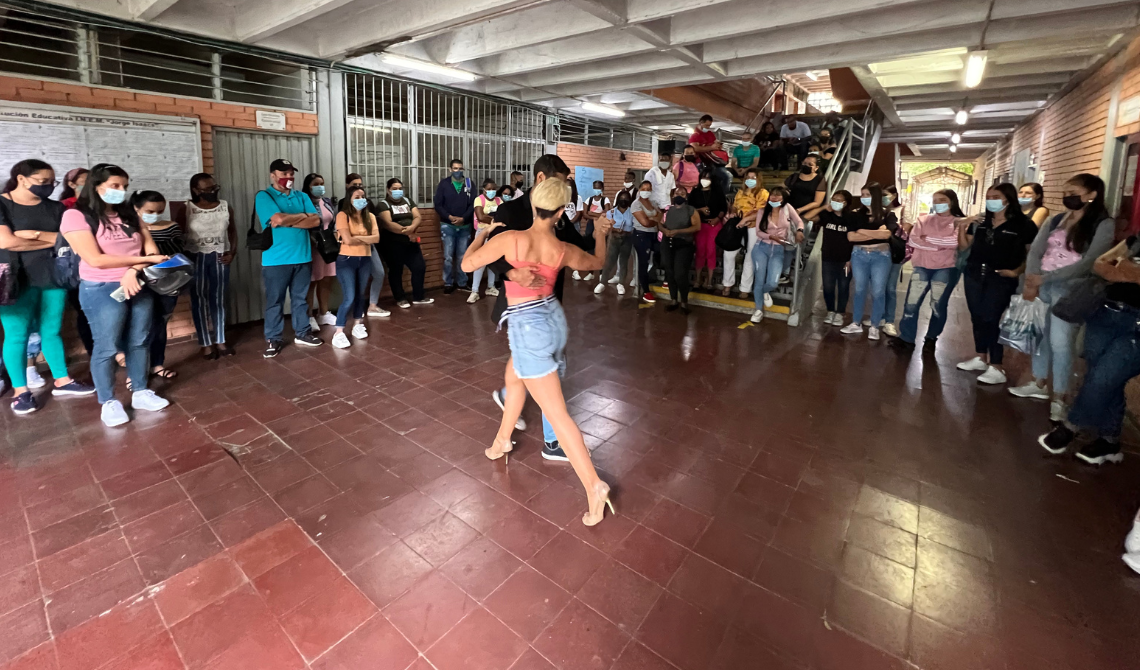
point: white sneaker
(633, 282)
(620, 289)
(327, 319)
(1132, 542)
(992, 376)
(873, 334)
(614, 280)
(829, 318)
(521, 423)
(1030, 389)
(768, 300)
(113, 414)
(1132, 561)
(576, 275)
(853, 328)
(492, 291)
(599, 288)
(837, 319)
(1058, 410)
(473, 298)
(340, 341)
(359, 331)
(757, 316)
(975, 364)
(314, 327)
(378, 311)
(35, 381)
(148, 400)
(588, 277)
(867, 322)
(890, 331)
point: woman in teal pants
(29, 224)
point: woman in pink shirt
(778, 229)
(934, 241)
(105, 232)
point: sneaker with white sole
(314, 326)
(34, 380)
(768, 300)
(1057, 441)
(1132, 561)
(620, 289)
(73, 388)
(588, 277)
(359, 331)
(1030, 389)
(492, 291)
(757, 316)
(113, 414)
(378, 311)
(975, 364)
(829, 318)
(403, 304)
(148, 400)
(614, 280)
(327, 319)
(340, 341)
(633, 282)
(599, 288)
(649, 297)
(496, 395)
(873, 334)
(853, 328)
(25, 403)
(1100, 451)
(473, 298)
(576, 275)
(423, 301)
(1058, 410)
(992, 376)
(308, 339)
(890, 330)
(867, 322)
(1132, 541)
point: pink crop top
(547, 272)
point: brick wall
(609, 160)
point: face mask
(644, 194)
(745, 144)
(597, 192)
(1025, 202)
(837, 205)
(691, 159)
(1073, 202)
(627, 184)
(805, 168)
(705, 183)
(664, 165)
(887, 200)
(359, 203)
(42, 191)
(490, 194)
(623, 204)
(750, 183)
(317, 191)
(679, 200)
(208, 196)
(285, 183)
(866, 200)
(776, 203)
(398, 194)
(114, 196)
(457, 175)
(994, 205)
(941, 207)
(149, 218)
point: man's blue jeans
(1112, 351)
(112, 322)
(455, 241)
(277, 279)
(870, 270)
(923, 281)
(547, 430)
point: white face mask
(627, 184)
(705, 183)
(664, 165)
(644, 194)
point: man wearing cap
(287, 264)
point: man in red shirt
(704, 141)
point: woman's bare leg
(547, 392)
(324, 289)
(512, 408)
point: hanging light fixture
(602, 109)
(423, 66)
(961, 117)
(953, 148)
(955, 138)
(976, 68)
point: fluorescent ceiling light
(812, 75)
(955, 138)
(602, 109)
(976, 68)
(961, 117)
(953, 148)
(689, 129)
(424, 66)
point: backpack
(65, 272)
(258, 240)
(731, 238)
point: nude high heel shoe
(598, 506)
(495, 454)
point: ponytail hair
(25, 168)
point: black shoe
(672, 307)
(552, 452)
(448, 290)
(228, 351)
(308, 339)
(900, 345)
(685, 310)
(1100, 451)
(929, 345)
(273, 349)
(1057, 441)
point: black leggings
(836, 284)
(677, 258)
(987, 296)
(412, 257)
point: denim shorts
(537, 337)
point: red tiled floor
(907, 521)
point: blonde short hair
(550, 195)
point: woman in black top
(807, 188)
(998, 248)
(772, 152)
(707, 198)
(682, 221)
(835, 256)
(29, 225)
(400, 244)
(168, 236)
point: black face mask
(42, 191)
(1073, 202)
(208, 196)
(691, 159)
(679, 200)
(805, 168)
(623, 203)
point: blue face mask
(941, 207)
(1025, 202)
(994, 205)
(114, 196)
(505, 197)
(750, 183)
(457, 175)
(360, 203)
(490, 194)
(597, 191)
(887, 200)
(775, 203)
(317, 191)
(149, 218)
(398, 194)
(838, 205)
(866, 200)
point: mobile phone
(119, 294)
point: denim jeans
(352, 272)
(922, 281)
(767, 264)
(547, 429)
(870, 270)
(938, 318)
(644, 244)
(1055, 353)
(477, 278)
(836, 285)
(162, 309)
(455, 241)
(377, 277)
(112, 321)
(890, 306)
(1112, 351)
(277, 279)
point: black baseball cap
(281, 165)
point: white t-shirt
(663, 186)
(597, 204)
(801, 131)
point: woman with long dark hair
(1061, 257)
(29, 224)
(870, 259)
(778, 229)
(710, 203)
(113, 248)
(891, 205)
(357, 231)
(998, 248)
(1031, 199)
(835, 256)
(167, 236)
(324, 273)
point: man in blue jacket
(455, 204)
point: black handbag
(1081, 301)
(898, 248)
(65, 272)
(731, 238)
(326, 243)
(9, 283)
(256, 240)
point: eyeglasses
(54, 182)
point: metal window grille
(88, 49)
(412, 132)
(578, 130)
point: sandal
(228, 351)
(165, 373)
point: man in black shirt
(517, 214)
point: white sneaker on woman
(992, 376)
(975, 364)
(340, 341)
(473, 298)
(492, 291)
(614, 280)
(873, 334)
(314, 327)
(1029, 389)
(148, 400)
(576, 275)
(34, 380)
(768, 300)
(890, 331)
(328, 319)
(599, 288)
(359, 331)
(853, 328)
(620, 289)
(378, 311)
(1132, 542)
(113, 414)
(829, 318)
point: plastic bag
(1023, 324)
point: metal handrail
(752, 126)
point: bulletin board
(584, 178)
